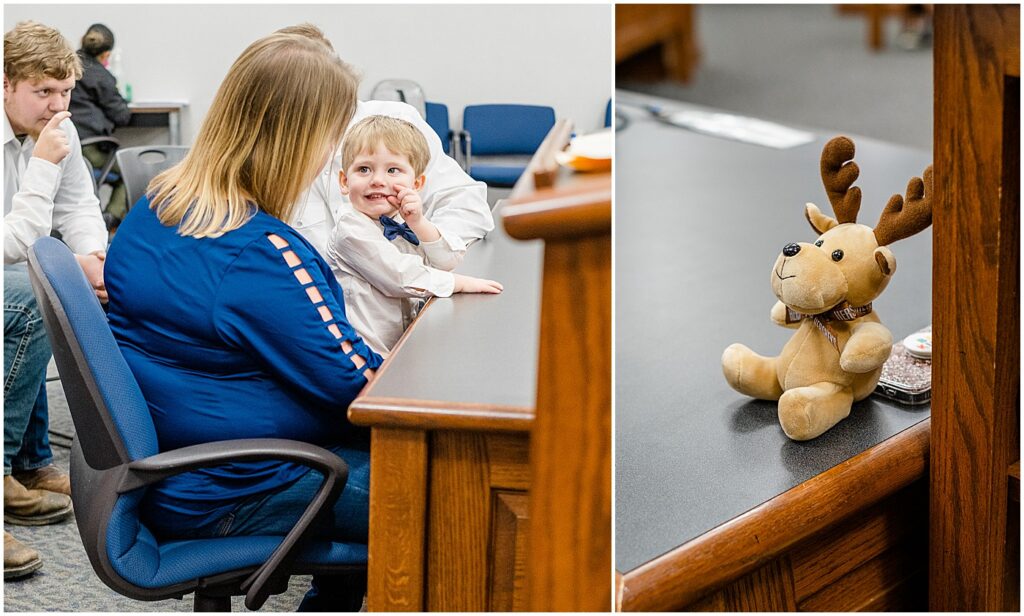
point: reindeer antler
(899, 219)
(839, 177)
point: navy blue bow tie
(393, 229)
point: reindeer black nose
(790, 250)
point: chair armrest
(451, 145)
(156, 468)
(466, 145)
(163, 465)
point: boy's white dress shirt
(40, 196)
(453, 201)
(385, 281)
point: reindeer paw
(808, 412)
(864, 353)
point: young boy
(386, 267)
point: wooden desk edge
(547, 214)
(676, 579)
(438, 415)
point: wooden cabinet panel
(768, 589)
(873, 560)
(836, 552)
(457, 553)
(477, 563)
(510, 529)
(881, 584)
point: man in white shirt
(46, 186)
(454, 202)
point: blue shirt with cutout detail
(227, 342)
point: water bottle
(118, 73)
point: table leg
(174, 126)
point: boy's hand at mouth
(409, 204)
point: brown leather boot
(33, 507)
(48, 478)
(19, 559)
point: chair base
(206, 603)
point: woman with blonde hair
(232, 323)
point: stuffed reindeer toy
(825, 290)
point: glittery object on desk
(905, 378)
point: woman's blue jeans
(276, 512)
(26, 353)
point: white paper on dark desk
(738, 128)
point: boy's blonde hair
(276, 118)
(34, 52)
(396, 135)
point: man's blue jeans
(26, 353)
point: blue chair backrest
(112, 421)
(437, 118)
(111, 417)
(507, 129)
(608, 114)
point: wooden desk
(715, 507)
(641, 26)
(450, 414)
(975, 535)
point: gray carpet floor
(66, 583)
(808, 66)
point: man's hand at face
(92, 265)
(52, 144)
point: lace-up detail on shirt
(317, 300)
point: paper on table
(591, 152)
(737, 128)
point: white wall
(460, 54)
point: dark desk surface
(475, 349)
(699, 221)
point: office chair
(508, 134)
(437, 118)
(402, 90)
(104, 175)
(142, 164)
(114, 458)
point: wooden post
(569, 561)
(975, 408)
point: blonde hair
(278, 115)
(33, 52)
(395, 134)
(309, 31)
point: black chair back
(142, 164)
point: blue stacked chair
(437, 118)
(497, 141)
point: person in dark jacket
(97, 108)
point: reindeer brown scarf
(825, 290)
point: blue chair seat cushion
(141, 560)
(111, 177)
(497, 175)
